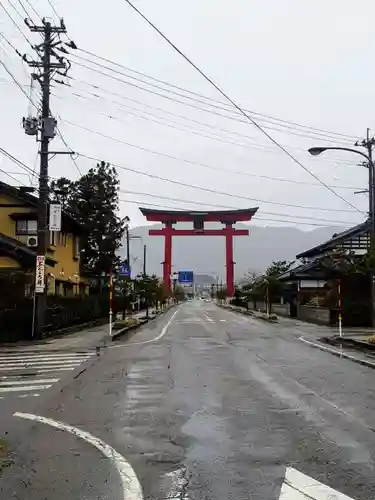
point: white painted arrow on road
(298, 486)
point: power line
(203, 204)
(325, 132)
(23, 67)
(16, 161)
(208, 190)
(53, 8)
(17, 83)
(24, 9)
(70, 149)
(29, 170)
(213, 111)
(10, 176)
(168, 207)
(229, 99)
(259, 146)
(20, 163)
(255, 145)
(11, 45)
(16, 10)
(216, 168)
(33, 9)
(16, 25)
(165, 155)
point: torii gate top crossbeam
(231, 216)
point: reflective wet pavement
(218, 407)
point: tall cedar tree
(93, 201)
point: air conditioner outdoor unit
(32, 241)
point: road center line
(132, 489)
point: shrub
(125, 323)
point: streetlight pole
(145, 274)
(144, 271)
(368, 144)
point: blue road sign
(186, 276)
(124, 270)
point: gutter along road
(200, 404)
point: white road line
(40, 360)
(40, 367)
(159, 337)
(299, 486)
(210, 320)
(74, 359)
(44, 356)
(341, 354)
(132, 489)
(44, 363)
(25, 388)
(49, 370)
(8, 383)
(35, 395)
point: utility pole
(145, 275)
(44, 128)
(144, 260)
(128, 248)
(369, 143)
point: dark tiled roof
(364, 227)
(310, 270)
(20, 251)
(33, 201)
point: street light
(127, 220)
(144, 264)
(371, 189)
(316, 151)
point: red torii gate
(226, 217)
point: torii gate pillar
(228, 218)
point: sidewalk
(353, 345)
(90, 338)
(360, 334)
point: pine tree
(94, 202)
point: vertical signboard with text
(40, 274)
(55, 217)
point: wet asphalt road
(215, 409)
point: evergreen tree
(94, 202)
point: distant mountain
(206, 255)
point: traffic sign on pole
(124, 270)
(186, 276)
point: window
(76, 248)
(53, 238)
(29, 227)
(62, 239)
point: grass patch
(125, 323)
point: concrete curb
(252, 314)
(127, 329)
(339, 354)
(357, 344)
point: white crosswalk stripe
(25, 374)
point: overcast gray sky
(303, 62)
